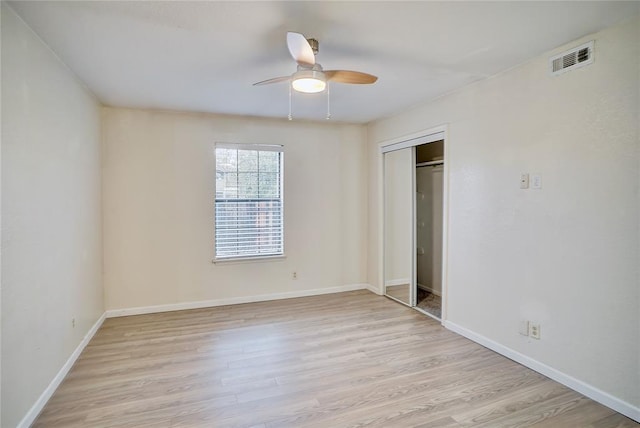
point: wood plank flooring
(342, 360)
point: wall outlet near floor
(294, 275)
(534, 330)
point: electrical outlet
(73, 322)
(294, 275)
(534, 330)
(524, 180)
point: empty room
(320, 214)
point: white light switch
(536, 181)
(524, 181)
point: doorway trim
(428, 135)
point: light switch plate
(524, 181)
(536, 181)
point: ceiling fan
(310, 77)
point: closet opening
(429, 214)
(414, 222)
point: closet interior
(429, 213)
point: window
(248, 204)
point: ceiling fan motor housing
(314, 67)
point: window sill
(251, 259)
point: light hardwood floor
(350, 359)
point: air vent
(574, 58)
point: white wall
(51, 216)
(159, 185)
(565, 256)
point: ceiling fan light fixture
(309, 81)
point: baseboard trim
(35, 410)
(373, 289)
(141, 310)
(429, 289)
(590, 391)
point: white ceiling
(205, 56)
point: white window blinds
(248, 204)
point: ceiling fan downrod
(315, 45)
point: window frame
(254, 257)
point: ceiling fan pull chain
(328, 102)
(290, 116)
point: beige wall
(159, 179)
(565, 256)
(51, 216)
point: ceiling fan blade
(300, 49)
(274, 80)
(348, 76)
